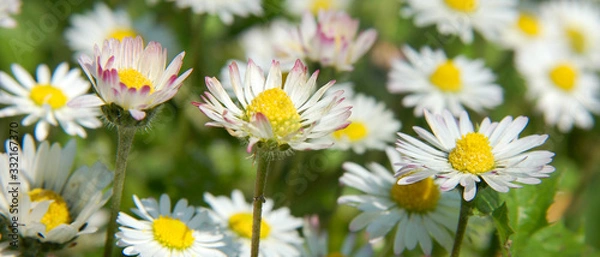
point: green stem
(125, 135)
(262, 169)
(465, 212)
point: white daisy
(461, 17)
(435, 83)
(184, 231)
(44, 99)
(225, 9)
(5, 250)
(299, 7)
(420, 212)
(275, 113)
(7, 8)
(526, 29)
(456, 153)
(131, 76)
(101, 23)
(278, 235)
(316, 243)
(54, 204)
(562, 89)
(372, 125)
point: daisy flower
(8, 7)
(565, 92)
(275, 113)
(101, 23)
(299, 7)
(44, 99)
(316, 242)
(278, 235)
(372, 126)
(278, 40)
(224, 9)
(184, 231)
(435, 83)
(461, 17)
(130, 76)
(54, 203)
(5, 252)
(526, 30)
(457, 154)
(419, 212)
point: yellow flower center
(172, 233)
(354, 132)
(58, 211)
(317, 5)
(122, 33)
(577, 40)
(134, 79)
(47, 94)
(462, 5)
(419, 197)
(277, 106)
(529, 24)
(336, 254)
(564, 76)
(472, 154)
(241, 223)
(447, 77)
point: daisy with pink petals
(131, 76)
(275, 113)
(457, 154)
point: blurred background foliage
(179, 156)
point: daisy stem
(262, 169)
(466, 208)
(125, 135)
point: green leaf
(556, 240)
(500, 218)
(487, 201)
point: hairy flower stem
(125, 135)
(262, 168)
(466, 208)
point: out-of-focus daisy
(526, 29)
(226, 10)
(461, 17)
(332, 39)
(278, 235)
(54, 203)
(279, 40)
(185, 231)
(5, 250)
(562, 89)
(457, 154)
(435, 83)
(102, 23)
(7, 8)
(574, 25)
(420, 212)
(44, 99)
(299, 7)
(316, 243)
(372, 125)
(131, 76)
(275, 113)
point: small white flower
(299, 7)
(8, 7)
(525, 30)
(54, 204)
(225, 9)
(272, 112)
(184, 231)
(131, 76)
(278, 235)
(435, 83)
(317, 243)
(461, 17)
(457, 154)
(278, 40)
(44, 99)
(420, 212)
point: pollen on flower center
(462, 5)
(528, 24)
(134, 79)
(564, 76)
(577, 40)
(277, 106)
(354, 132)
(241, 223)
(58, 211)
(122, 33)
(47, 94)
(419, 197)
(317, 5)
(472, 154)
(447, 77)
(172, 233)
